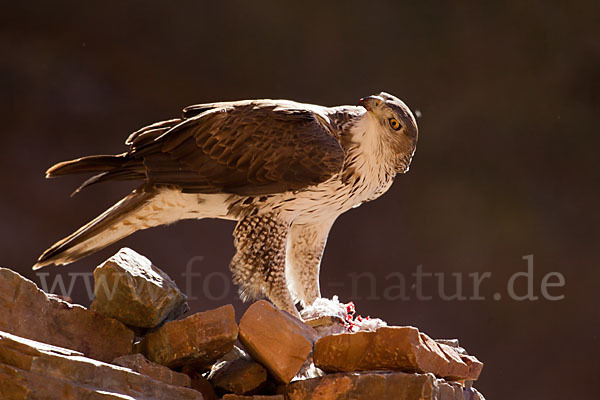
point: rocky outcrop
(62, 350)
(128, 287)
(28, 312)
(34, 370)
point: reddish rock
(28, 312)
(279, 341)
(475, 366)
(255, 397)
(199, 339)
(139, 363)
(200, 383)
(239, 376)
(35, 370)
(380, 386)
(393, 348)
(128, 287)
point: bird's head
(397, 125)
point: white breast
(371, 178)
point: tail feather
(117, 167)
(115, 223)
(102, 163)
(120, 174)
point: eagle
(283, 170)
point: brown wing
(247, 148)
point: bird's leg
(258, 266)
(306, 243)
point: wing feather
(258, 147)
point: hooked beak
(371, 102)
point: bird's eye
(395, 124)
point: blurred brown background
(506, 166)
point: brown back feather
(247, 148)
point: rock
(35, 370)
(27, 311)
(452, 343)
(139, 363)
(475, 366)
(66, 299)
(470, 393)
(239, 376)
(393, 348)
(128, 287)
(201, 339)
(373, 385)
(279, 341)
(200, 383)
(255, 397)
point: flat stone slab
(393, 348)
(380, 386)
(35, 370)
(201, 338)
(279, 341)
(27, 311)
(139, 363)
(128, 287)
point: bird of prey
(283, 170)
